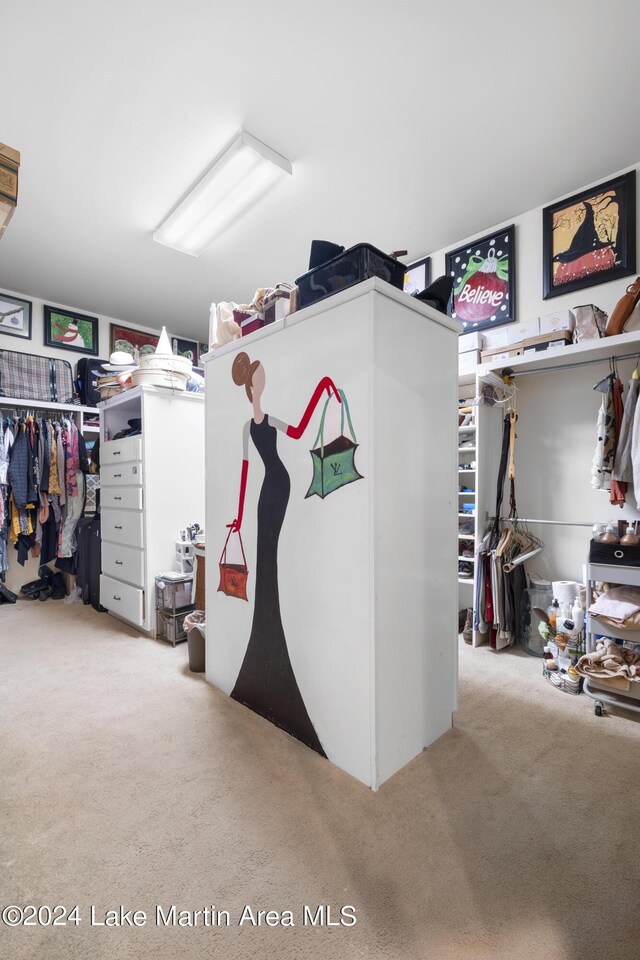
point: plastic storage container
(174, 591)
(539, 594)
(354, 265)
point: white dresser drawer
(128, 497)
(122, 474)
(123, 563)
(120, 598)
(117, 451)
(122, 526)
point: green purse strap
(344, 408)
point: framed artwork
(15, 316)
(418, 276)
(484, 280)
(122, 338)
(202, 348)
(590, 238)
(185, 348)
(70, 331)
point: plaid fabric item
(28, 377)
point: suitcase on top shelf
(87, 370)
(25, 376)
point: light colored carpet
(127, 780)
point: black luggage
(88, 559)
(25, 376)
(87, 371)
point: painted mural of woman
(266, 682)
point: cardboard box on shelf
(470, 341)
(495, 337)
(468, 361)
(560, 320)
(548, 341)
(502, 353)
(519, 332)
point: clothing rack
(560, 523)
(568, 366)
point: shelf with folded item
(468, 559)
(610, 690)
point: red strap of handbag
(223, 555)
(623, 309)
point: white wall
(529, 302)
(557, 414)
(37, 345)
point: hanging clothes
(618, 492)
(603, 457)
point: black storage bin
(617, 554)
(354, 265)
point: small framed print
(15, 316)
(484, 280)
(129, 341)
(70, 331)
(185, 348)
(417, 276)
(590, 238)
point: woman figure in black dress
(266, 682)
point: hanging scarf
(72, 462)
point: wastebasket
(194, 624)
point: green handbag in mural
(334, 463)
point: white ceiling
(409, 125)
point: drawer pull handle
(117, 475)
(117, 453)
(118, 526)
(118, 563)
(116, 598)
(117, 498)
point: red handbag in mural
(233, 576)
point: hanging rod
(560, 523)
(569, 366)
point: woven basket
(166, 362)
(159, 378)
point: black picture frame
(484, 280)
(590, 243)
(417, 276)
(185, 348)
(86, 330)
(15, 323)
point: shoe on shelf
(467, 630)
(462, 617)
(465, 570)
(467, 549)
(466, 526)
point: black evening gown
(266, 682)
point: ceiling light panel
(238, 178)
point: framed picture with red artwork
(590, 238)
(484, 280)
(123, 338)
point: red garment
(618, 490)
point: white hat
(120, 360)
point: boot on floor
(467, 633)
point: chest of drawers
(152, 486)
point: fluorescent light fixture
(239, 176)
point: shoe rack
(466, 489)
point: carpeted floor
(128, 781)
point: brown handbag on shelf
(623, 309)
(233, 576)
